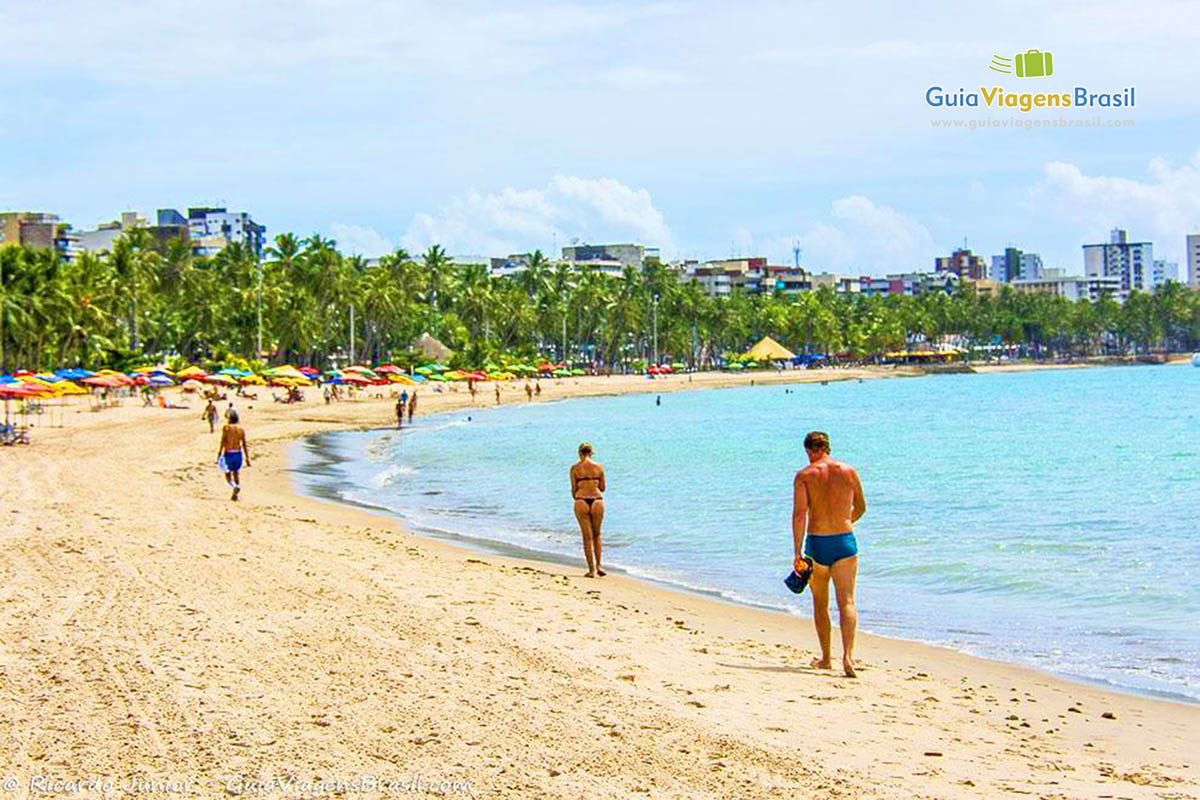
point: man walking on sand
(234, 453)
(827, 500)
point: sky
(708, 129)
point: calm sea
(1048, 518)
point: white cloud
(361, 240)
(513, 220)
(863, 237)
(1165, 203)
(640, 77)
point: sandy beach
(153, 631)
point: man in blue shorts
(233, 448)
(827, 500)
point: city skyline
(685, 126)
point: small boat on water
(1196, 359)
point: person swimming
(587, 487)
(827, 501)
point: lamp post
(656, 329)
(258, 312)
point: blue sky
(706, 128)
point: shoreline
(161, 629)
(477, 545)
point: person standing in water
(587, 487)
(497, 394)
(528, 392)
(412, 406)
(827, 501)
(230, 454)
(400, 412)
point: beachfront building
(842, 284)
(39, 231)
(1015, 264)
(1193, 260)
(104, 236)
(609, 259)
(910, 284)
(722, 277)
(787, 280)
(211, 230)
(1163, 272)
(509, 265)
(1073, 287)
(962, 263)
(1131, 262)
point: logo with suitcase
(1030, 64)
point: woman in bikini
(587, 486)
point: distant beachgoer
(528, 392)
(229, 411)
(471, 389)
(587, 487)
(230, 454)
(412, 406)
(537, 389)
(327, 394)
(400, 413)
(658, 400)
(404, 398)
(497, 394)
(827, 501)
(210, 415)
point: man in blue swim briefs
(827, 500)
(229, 456)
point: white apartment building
(1074, 287)
(1193, 260)
(1162, 272)
(212, 229)
(1131, 262)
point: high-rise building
(962, 263)
(1193, 260)
(211, 230)
(1031, 267)
(1163, 272)
(1131, 262)
(1006, 267)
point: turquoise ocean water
(1047, 518)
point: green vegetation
(135, 301)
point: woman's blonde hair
(585, 449)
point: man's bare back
(834, 495)
(232, 438)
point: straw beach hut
(432, 348)
(769, 350)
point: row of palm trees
(308, 303)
